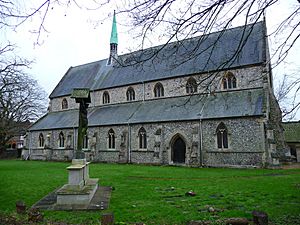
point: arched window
(111, 139)
(142, 138)
(222, 136)
(191, 86)
(130, 94)
(158, 90)
(41, 140)
(106, 98)
(229, 81)
(85, 144)
(61, 140)
(64, 104)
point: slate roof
(292, 131)
(196, 55)
(220, 105)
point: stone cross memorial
(82, 96)
(79, 191)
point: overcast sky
(74, 38)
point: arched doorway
(178, 150)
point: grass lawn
(156, 194)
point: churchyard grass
(156, 194)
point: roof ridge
(172, 42)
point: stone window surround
(64, 104)
(105, 97)
(228, 140)
(85, 146)
(142, 137)
(230, 80)
(61, 140)
(130, 94)
(158, 90)
(111, 140)
(191, 86)
(41, 141)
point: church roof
(213, 52)
(219, 105)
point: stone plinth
(78, 173)
(80, 188)
(71, 195)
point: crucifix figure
(82, 96)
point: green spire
(114, 33)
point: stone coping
(75, 167)
(78, 164)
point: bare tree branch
(21, 98)
(174, 20)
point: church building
(203, 101)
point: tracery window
(158, 90)
(111, 139)
(64, 104)
(222, 136)
(130, 94)
(41, 140)
(61, 140)
(106, 99)
(142, 138)
(191, 86)
(229, 81)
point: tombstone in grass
(80, 189)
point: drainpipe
(200, 142)
(29, 144)
(129, 143)
(201, 134)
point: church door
(178, 151)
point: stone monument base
(81, 192)
(80, 188)
(70, 195)
(100, 201)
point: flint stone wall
(245, 135)
(246, 144)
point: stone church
(203, 101)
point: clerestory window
(64, 104)
(229, 81)
(191, 86)
(130, 94)
(158, 90)
(106, 99)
